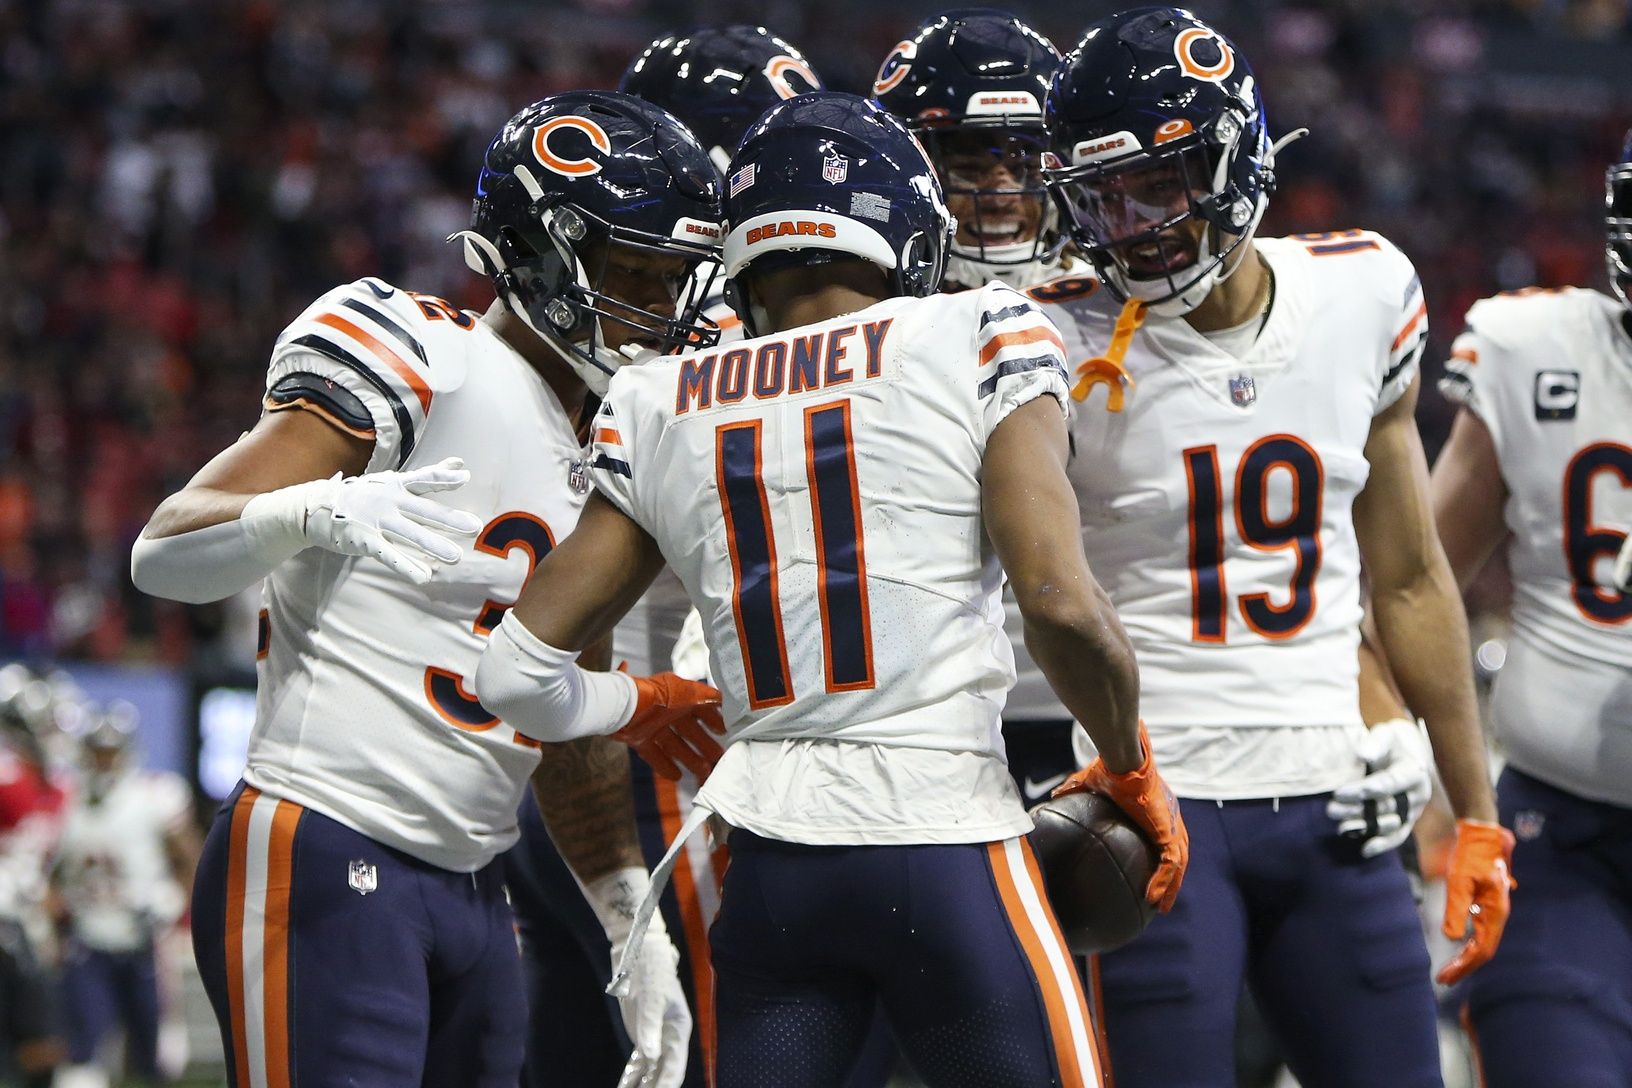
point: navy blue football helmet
(1618, 222)
(718, 80)
(582, 183)
(970, 84)
(827, 174)
(1155, 121)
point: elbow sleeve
(543, 694)
(208, 564)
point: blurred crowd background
(178, 178)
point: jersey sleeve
(610, 465)
(357, 359)
(1021, 356)
(1474, 373)
(1408, 326)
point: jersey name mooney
(773, 368)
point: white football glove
(652, 1001)
(1623, 566)
(381, 515)
(1383, 806)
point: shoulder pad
(416, 342)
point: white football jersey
(645, 637)
(818, 494)
(1550, 375)
(1216, 507)
(113, 869)
(364, 711)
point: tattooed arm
(583, 789)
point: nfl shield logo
(1243, 390)
(835, 168)
(363, 877)
(1527, 825)
(578, 477)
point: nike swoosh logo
(1036, 791)
(379, 293)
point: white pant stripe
(1059, 959)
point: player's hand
(671, 725)
(1476, 894)
(1143, 795)
(1623, 566)
(653, 1004)
(655, 1013)
(384, 515)
(1384, 805)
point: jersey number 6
(835, 507)
(1298, 531)
(1585, 543)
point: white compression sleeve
(214, 562)
(543, 694)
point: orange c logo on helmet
(572, 168)
(781, 66)
(901, 56)
(1172, 130)
(1184, 49)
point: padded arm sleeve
(217, 561)
(543, 694)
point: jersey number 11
(835, 506)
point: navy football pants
(1554, 1007)
(956, 943)
(1329, 943)
(333, 960)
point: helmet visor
(1138, 209)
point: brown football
(1096, 864)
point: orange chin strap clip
(1107, 369)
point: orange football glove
(1143, 795)
(668, 726)
(1476, 887)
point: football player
(123, 869)
(717, 81)
(1255, 446)
(378, 789)
(32, 805)
(824, 490)
(970, 84)
(1540, 461)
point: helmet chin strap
(1006, 263)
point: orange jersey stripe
(1467, 355)
(1422, 311)
(1037, 334)
(237, 879)
(607, 434)
(1054, 999)
(385, 354)
(280, 859)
